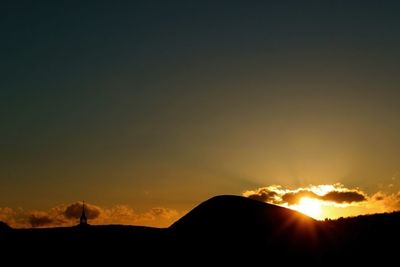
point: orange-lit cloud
(74, 211)
(344, 196)
(67, 215)
(41, 219)
(336, 199)
(336, 193)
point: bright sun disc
(308, 206)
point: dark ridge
(223, 229)
(228, 210)
(4, 227)
(242, 226)
(240, 219)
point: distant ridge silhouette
(227, 229)
(4, 227)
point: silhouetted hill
(223, 212)
(367, 237)
(4, 227)
(238, 227)
(227, 229)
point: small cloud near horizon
(74, 211)
(68, 215)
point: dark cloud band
(276, 195)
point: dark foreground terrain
(223, 229)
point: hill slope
(241, 227)
(225, 229)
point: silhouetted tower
(83, 218)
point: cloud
(344, 197)
(391, 202)
(340, 197)
(10, 216)
(74, 211)
(40, 219)
(164, 213)
(6, 214)
(263, 194)
(68, 215)
(335, 193)
(294, 197)
(336, 199)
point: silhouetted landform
(223, 229)
(230, 224)
(4, 227)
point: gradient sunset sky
(148, 108)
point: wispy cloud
(67, 215)
(389, 202)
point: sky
(146, 108)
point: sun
(308, 206)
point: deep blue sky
(165, 102)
